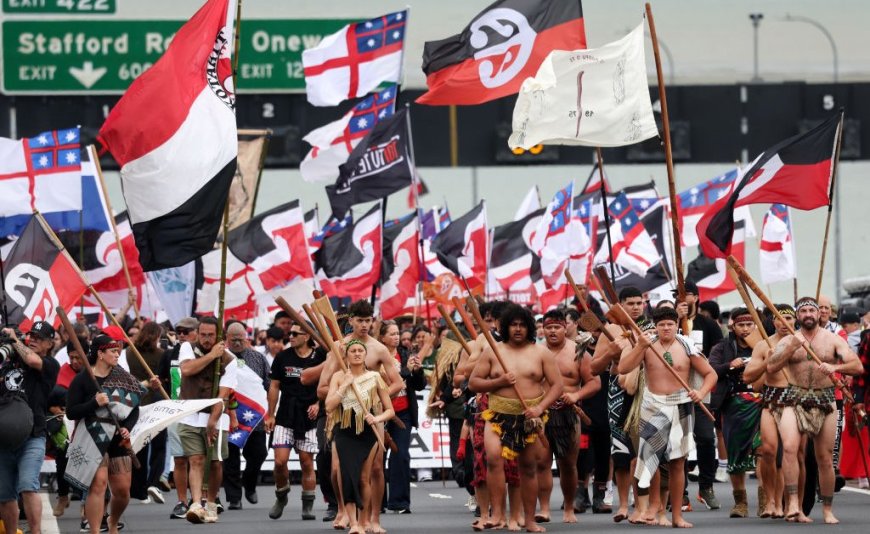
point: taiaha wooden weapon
(466, 320)
(472, 307)
(588, 319)
(744, 276)
(70, 331)
(453, 328)
(298, 319)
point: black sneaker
(220, 506)
(84, 526)
(179, 512)
(330, 514)
(402, 511)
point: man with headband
(666, 413)
(813, 413)
(739, 405)
(775, 397)
(511, 430)
(563, 426)
(378, 358)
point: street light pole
(838, 273)
(756, 22)
(818, 25)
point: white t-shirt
(228, 380)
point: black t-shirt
(287, 369)
(18, 377)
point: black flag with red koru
(39, 277)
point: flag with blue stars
(45, 173)
(251, 398)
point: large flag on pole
(462, 246)
(597, 97)
(379, 166)
(711, 274)
(246, 182)
(174, 135)
(560, 238)
(400, 272)
(512, 258)
(796, 172)
(503, 45)
(252, 403)
(355, 60)
(633, 248)
(348, 263)
(39, 277)
(332, 143)
(776, 249)
(697, 200)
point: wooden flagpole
(834, 166)
(92, 153)
(669, 160)
(416, 191)
(130, 346)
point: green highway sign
(105, 56)
(68, 7)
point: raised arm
(606, 351)
(634, 356)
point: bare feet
(341, 522)
(376, 528)
(620, 515)
(829, 517)
(542, 517)
(798, 518)
(663, 521)
(568, 516)
(514, 525)
(635, 516)
(682, 523)
(496, 525)
(531, 526)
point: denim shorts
(19, 468)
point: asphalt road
(441, 509)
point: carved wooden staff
(453, 328)
(466, 320)
(70, 331)
(588, 319)
(472, 307)
(744, 276)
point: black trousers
(152, 460)
(595, 460)
(323, 463)
(705, 443)
(255, 454)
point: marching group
(611, 402)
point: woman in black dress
(354, 439)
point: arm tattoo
(778, 354)
(20, 348)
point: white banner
(155, 417)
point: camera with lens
(7, 346)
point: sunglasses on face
(294, 334)
(183, 331)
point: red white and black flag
(512, 258)
(503, 45)
(274, 244)
(174, 135)
(348, 263)
(39, 277)
(462, 246)
(400, 271)
(796, 172)
(378, 166)
(711, 274)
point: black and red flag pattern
(462, 246)
(512, 259)
(796, 172)
(501, 47)
(348, 263)
(39, 277)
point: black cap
(691, 287)
(42, 329)
(849, 318)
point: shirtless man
(377, 358)
(814, 412)
(607, 356)
(563, 427)
(667, 414)
(774, 395)
(510, 430)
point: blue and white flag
(45, 173)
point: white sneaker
(424, 475)
(863, 483)
(156, 495)
(722, 474)
(146, 500)
(211, 512)
(608, 496)
(471, 503)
